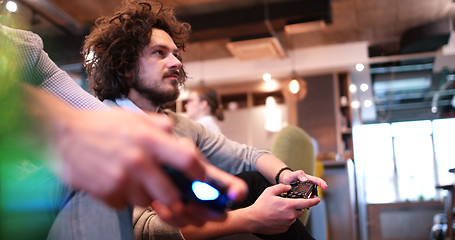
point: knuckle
(291, 218)
(134, 159)
(118, 181)
(190, 162)
(188, 159)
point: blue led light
(204, 191)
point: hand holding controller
(304, 190)
(210, 194)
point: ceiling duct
(427, 37)
(244, 22)
(304, 27)
(261, 48)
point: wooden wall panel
(316, 112)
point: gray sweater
(223, 153)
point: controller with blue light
(210, 194)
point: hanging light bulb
(297, 86)
(294, 86)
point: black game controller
(211, 194)
(307, 189)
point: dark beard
(156, 96)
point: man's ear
(128, 74)
(129, 78)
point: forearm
(237, 221)
(49, 113)
(269, 165)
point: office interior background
(374, 85)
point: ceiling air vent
(261, 48)
(304, 27)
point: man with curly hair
(137, 66)
(66, 155)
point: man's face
(159, 66)
(194, 106)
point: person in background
(65, 155)
(204, 106)
(138, 67)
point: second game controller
(299, 189)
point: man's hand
(236, 190)
(271, 214)
(117, 156)
(288, 176)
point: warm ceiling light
(352, 88)
(270, 102)
(364, 87)
(355, 104)
(294, 86)
(359, 67)
(367, 103)
(434, 109)
(271, 86)
(266, 77)
(11, 6)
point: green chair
(294, 147)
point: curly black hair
(116, 43)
